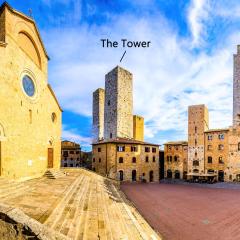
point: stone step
(53, 174)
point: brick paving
(189, 211)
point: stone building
(122, 154)
(126, 160)
(98, 114)
(118, 106)
(197, 124)
(176, 159)
(138, 128)
(71, 154)
(213, 153)
(30, 116)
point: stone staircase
(94, 208)
(52, 173)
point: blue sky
(189, 61)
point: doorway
(221, 176)
(177, 174)
(121, 175)
(50, 157)
(151, 176)
(134, 175)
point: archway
(177, 174)
(221, 176)
(185, 175)
(121, 175)
(151, 176)
(169, 173)
(134, 175)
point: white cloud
(168, 77)
(71, 135)
(197, 16)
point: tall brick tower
(118, 118)
(197, 124)
(236, 88)
(98, 114)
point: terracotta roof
(125, 141)
(176, 143)
(217, 130)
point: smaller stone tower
(98, 114)
(236, 88)
(118, 118)
(138, 128)
(197, 124)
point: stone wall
(118, 104)
(14, 224)
(109, 164)
(236, 88)
(197, 124)
(98, 114)
(28, 126)
(138, 128)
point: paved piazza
(79, 205)
(180, 211)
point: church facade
(30, 116)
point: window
(169, 147)
(134, 160)
(121, 148)
(71, 152)
(195, 163)
(154, 150)
(195, 141)
(175, 158)
(28, 86)
(99, 160)
(110, 135)
(147, 149)
(54, 117)
(195, 154)
(146, 159)
(209, 137)
(209, 159)
(220, 147)
(134, 148)
(170, 158)
(195, 129)
(209, 147)
(220, 160)
(99, 149)
(120, 160)
(154, 159)
(77, 152)
(93, 160)
(221, 136)
(65, 153)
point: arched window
(134, 160)
(175, 158)
(120, 160)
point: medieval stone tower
(197, 124)
(236, 88)
(98, 114)
(118, 118)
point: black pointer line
(123, 55)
